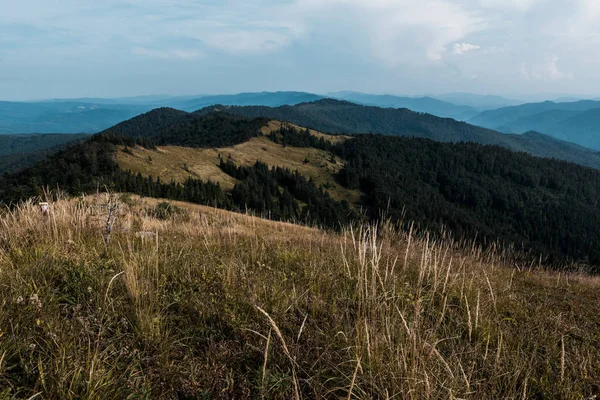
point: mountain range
(577, 122)
(427, 105)
(343, 117)
(574, 121)
(93, 115)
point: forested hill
(20, 151)
(336, 116)
(548, 207)
(167, 126)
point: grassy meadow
(180, 163)
(184, 301)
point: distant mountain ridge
(63, 117)
(425, 104)
(567, 121)
(478, 102)
(271, 99)
(92, 115)
(577, 122)
(335, 116)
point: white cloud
(520, 5)
(462, 48)
(394, 31)
(546, 71)
(552, 72)
(170, 54)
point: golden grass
(274, 126)
(171, 162)
(215, 304)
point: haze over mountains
(577, 122)
(573, 121)
(427, 105)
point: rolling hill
(538, 207)
(335, 116)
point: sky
(114, 48)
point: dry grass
(212, 304)
(179, 163)
(274, 126)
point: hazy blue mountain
(477, 101)
(133, 100)
(542, 122)
(271, 99)
(91, 115)
(577, 122)
(582, 128)
(494, 119)
(69, 117)
(570, 99)
(334, 116)
(427, 105)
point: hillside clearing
(274, 126)
(179, 163)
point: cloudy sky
(109, 48)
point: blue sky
(110, 48)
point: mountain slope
(583, 129)
(191, 302)
(545, 122)
(10, 144)
(20, 151)
(427, 105)
(344, 117)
